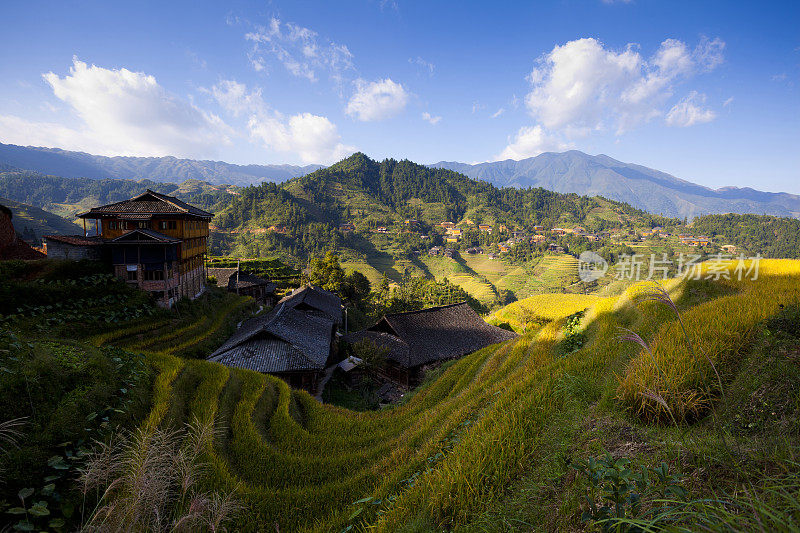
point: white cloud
(121, 112)
(313, 138)
(235, 98)
(423, 65)
(727, 102)
(689, 111)
(609, 2)
(584, 85)
(300, 50)
(377, 100)
(434, 120)
(530, 142)
(499, 112)
(17, 130)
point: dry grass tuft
(150, 480)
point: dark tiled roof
(151, 203)
(396, 349)
(144, 235)
(223, 275)
(226, 277)
(76, 240)
(433, 334)
(284, 340)
(268, 355)
(325, 303)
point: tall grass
(150, 481)
(682, 373)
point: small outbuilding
(244, 283)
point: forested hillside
(68, 196)
(305, 215)
(770, 236)
(31, 222)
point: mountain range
(642, 187)
(57, 162)
(567, 172)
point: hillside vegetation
(32, 222)
(63, 387)
(67, 197)
(768, 235)
(491, 442)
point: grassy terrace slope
(509, 414)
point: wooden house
(154, 241)
(414, 339)
(315, 302)
(294, 341)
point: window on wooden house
(131, 275)
(153, 275)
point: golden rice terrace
(504, 420)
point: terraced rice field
(479, 289)
(444, 456)
(548, 276)
(542, 308)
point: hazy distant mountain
(642, 187)
(57, 162)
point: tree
(384, 288)
(327, 274)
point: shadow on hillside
(466, 269)
(422, 266)
(381, 261)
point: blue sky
(707, 91)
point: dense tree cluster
(768, 235)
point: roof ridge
(403, 313)
(165, 197)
